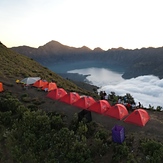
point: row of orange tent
(44, 85)
(139, 116)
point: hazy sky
(94, 23)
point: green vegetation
(152, 150)
(36, 136)
(113, 98)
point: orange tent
(70, 98)
(57, 94)
(49, 86)
(100, 106)
(117, 111)
(138, 117)
(1, 87)
(84, 102)
(40, 83)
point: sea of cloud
(148, 90)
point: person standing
(105, 95)
(119, 101)
(139, 104)
(102, 95)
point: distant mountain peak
(85, 48)
(98, 49)
(52, 44)
(119, 48)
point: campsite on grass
(118, 111)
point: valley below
(71, 70)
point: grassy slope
(16, 66)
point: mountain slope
(145, 61)
(16, 66)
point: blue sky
(94, 23)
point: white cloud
(146, 89)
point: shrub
(121, 152)
(159, 108)
(32, 107)
(37, 101)
(102, 134)
(152, 150)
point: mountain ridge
(144, 61)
